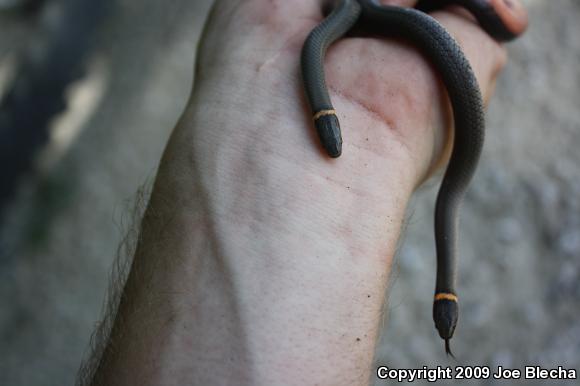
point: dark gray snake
(501, 19)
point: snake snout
(328, 130)
(445, 314)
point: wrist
(263, 175)
(298, 245)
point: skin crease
(261, 261)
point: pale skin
(261, 260)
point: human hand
(247, 117)
(385, 92)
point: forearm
(244, 272)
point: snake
(503, 20)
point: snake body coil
(502, 22)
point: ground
(520, 228)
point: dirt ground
(520, 242)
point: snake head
(445, 314)
(328, 130)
